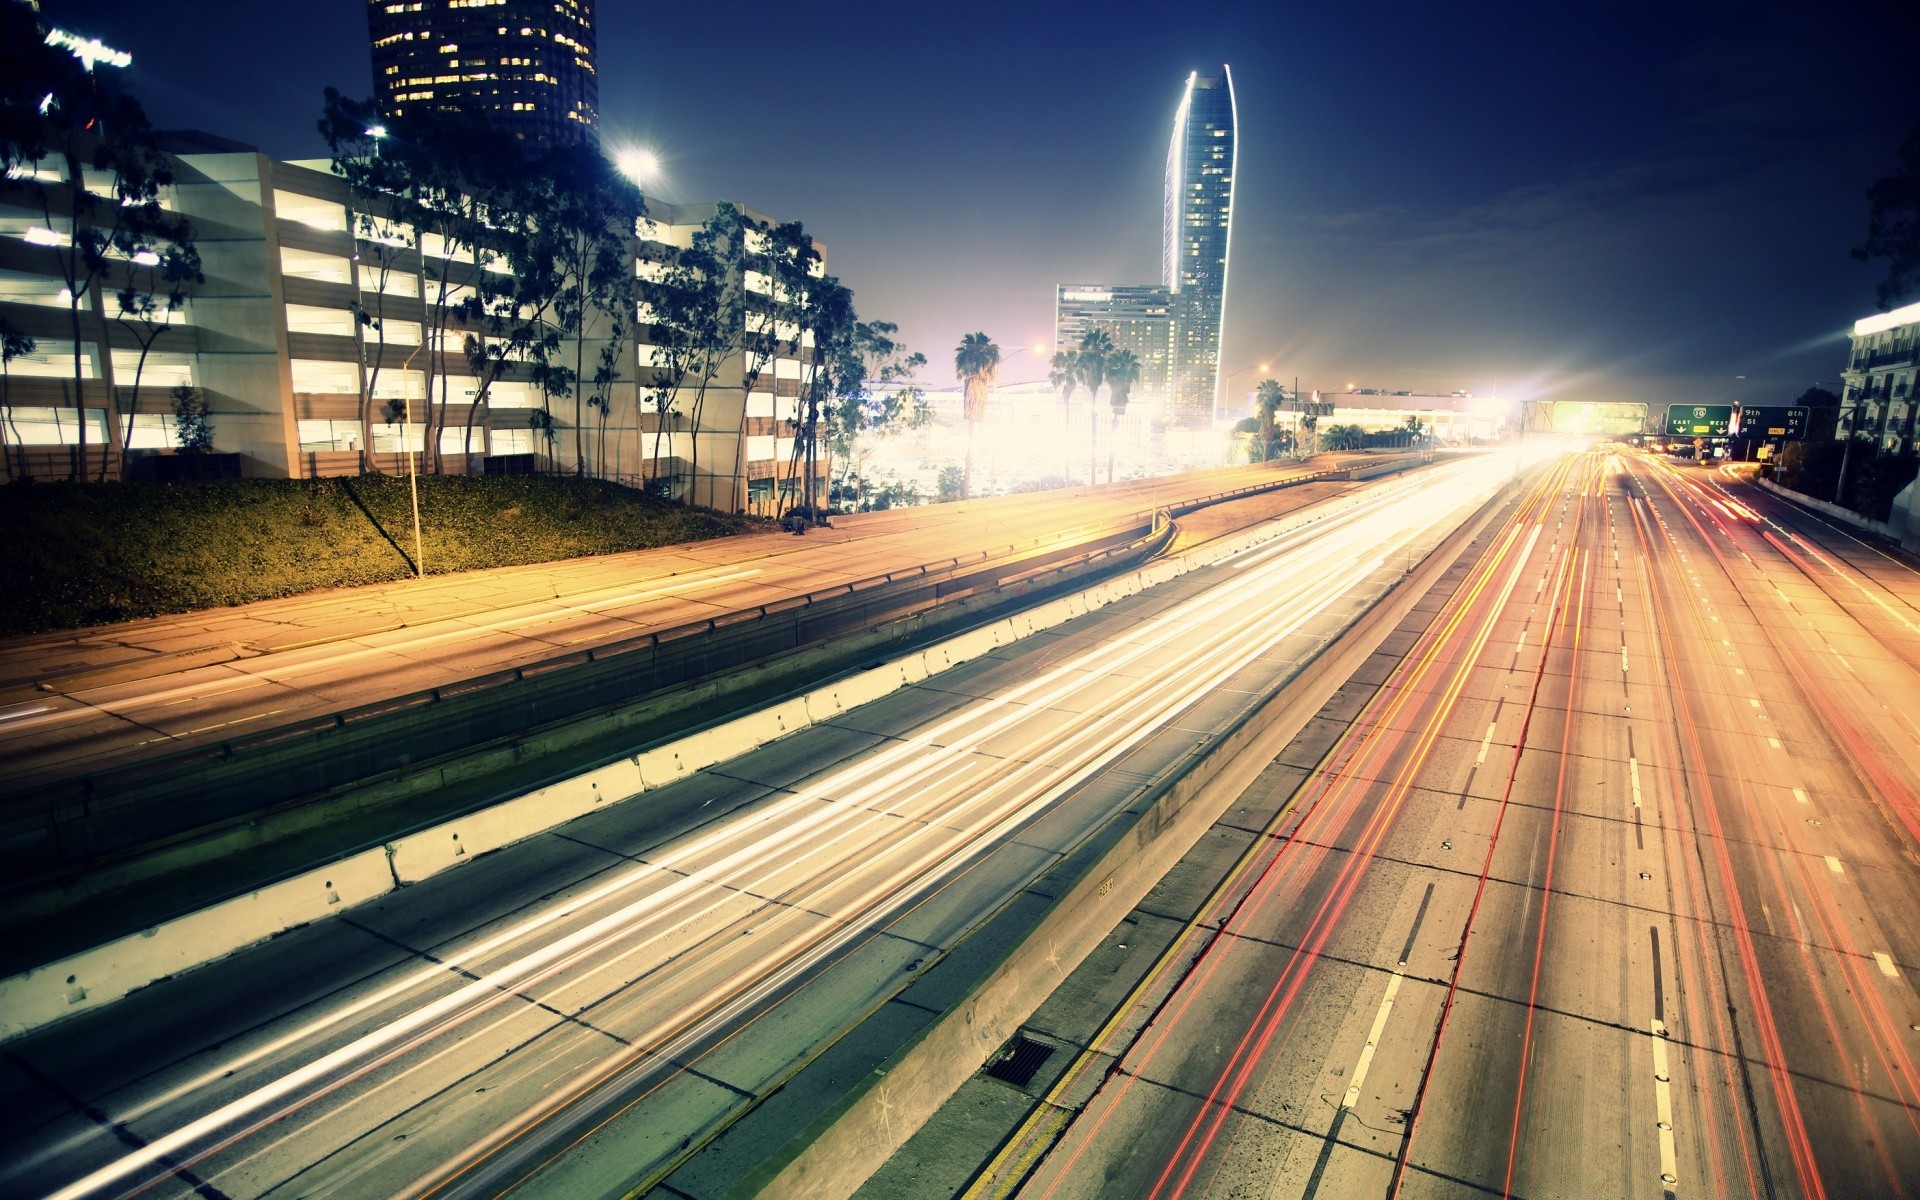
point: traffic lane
(1831, 1021)
(1140, 1139)
(1819, 562)
(524, 1029)
(1412, 829)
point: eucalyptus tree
(383, 246)
(584, 216)
(85, 156)
(1267, 398)
(1063, 372)
(156, 290)
(698, 309)
(818, 312)
(464, 191)
(1123, 372)
(976, 361)
(872, 398)
(13, 344)
(1091, 362)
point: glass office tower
(527, 64)
(1199, 228)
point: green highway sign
(1599, 419)
(1699, 420)
(1779, 421)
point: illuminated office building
(529, 66)
(1199, 230)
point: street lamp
(637, 163)
(1226, 385)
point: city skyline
(1550, 207)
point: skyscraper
(1199, 228)
(527, 64)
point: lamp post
(1226, 385)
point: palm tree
(1414, 430)
(1123, 371)
(1266, 399)
(975, 362)
(1310, 423)
(1064, 375)
(1095, 345)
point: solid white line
(1373, 1040)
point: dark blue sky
(1587, 200)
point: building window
(329, 436)
(53, 426)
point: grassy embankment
(75, 555)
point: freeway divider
(80, 982)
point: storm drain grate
(1017, 1063)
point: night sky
(1583, 201)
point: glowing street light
(637, 163)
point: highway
(1608, 889)
(76, 699)
(578, 1014)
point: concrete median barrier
(107, 973)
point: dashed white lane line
(1800, 795)
(1481, 758)
(1663, 1105)
(1834, 865)
(1623, 658)
(1752, 701)
(1886, 964)
(1633, 774)
(1774, 742)
(1373, 1040)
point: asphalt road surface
(77, 699)
(1609, 890)
(569, 1016)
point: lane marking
(1481, 758)
(17, 713)
(1833, 864)
(1633, 773)
(1800, 795)
(1775, 743)
(1623, 658)
(1663, 1104)
(1373, 1040)
(1886, 964)
(1752, 701)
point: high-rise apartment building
(527, 64)
(1138, 316)
(1199, 230)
